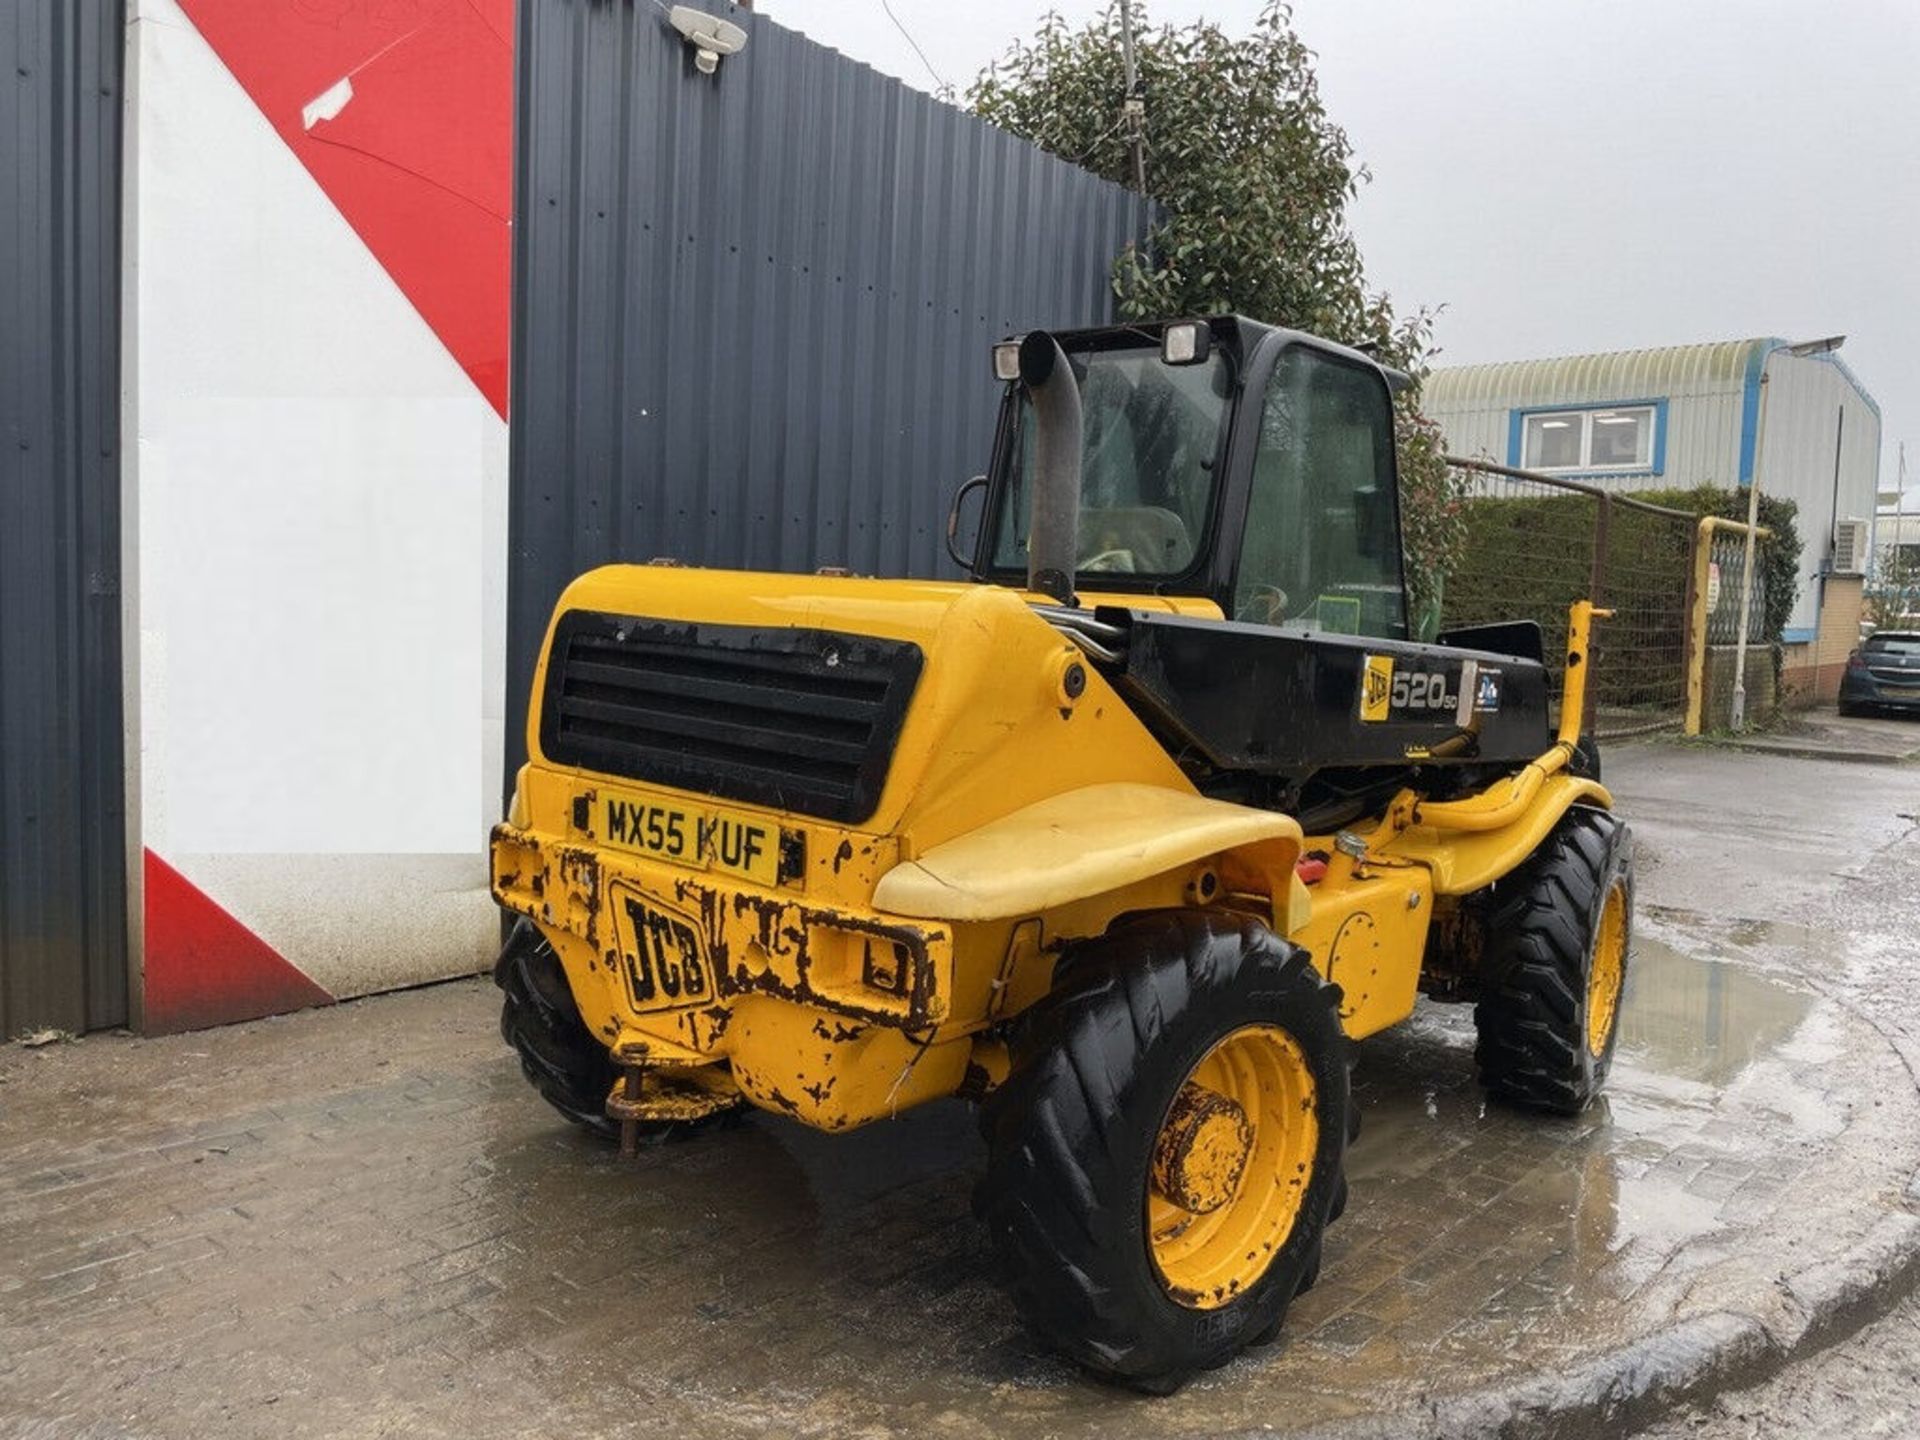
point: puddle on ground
(432, 1247)
(1704, 1114)
(1700, 1021)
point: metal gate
(63, 941)
(1532, 544)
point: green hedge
(1530, 557)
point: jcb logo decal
(1376, 687)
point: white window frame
(1584, 416)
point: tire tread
(1531, 1017)
(1051, 1129)
(560, 1057)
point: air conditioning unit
(1850, 541)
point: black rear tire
(1071, 1134)
(572, 1071)
(1535, 1045)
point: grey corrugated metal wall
(752, 311)
(63, 948)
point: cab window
(1150, 436)
(1321, 550)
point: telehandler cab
(1127, 838)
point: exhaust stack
(1053, 532)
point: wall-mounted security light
(710, 36)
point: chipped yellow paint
(825, 1004)
(1015, 819)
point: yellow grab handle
(1505, 801)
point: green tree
(1254, 179)
(1893, 587)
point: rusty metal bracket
(666, 1095)
(626, 1109)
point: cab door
(1320, 545)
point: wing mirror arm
(965, 562)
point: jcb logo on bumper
(661, 952)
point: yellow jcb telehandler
(1127, 838)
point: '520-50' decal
(1427, 692)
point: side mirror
(965, 562)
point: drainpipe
(1737, 719)
(1826, 570)
(1053, 533)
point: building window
(1616, 437)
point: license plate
(664, 959)
(697, 837)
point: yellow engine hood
(990, 728)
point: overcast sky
(1570, 175)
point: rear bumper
(885, 970)
(795, 997)
(1859, 689)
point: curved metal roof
(1621, 374)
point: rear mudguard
(1085, 842)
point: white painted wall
(1801, 423)
(1706, 390)
(319, 573)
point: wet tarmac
(360, 1221)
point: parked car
(1884, 671)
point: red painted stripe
(419, 159)
(203, 967)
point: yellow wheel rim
(1231, 1166)
(1608, 971)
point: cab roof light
(1186, 342)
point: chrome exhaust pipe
(1053, 528)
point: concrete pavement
(1840, 848)
(1887, 737)
(359, 1221)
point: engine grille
(804, 720)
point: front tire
(1555, 964)
(1169, 1147)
